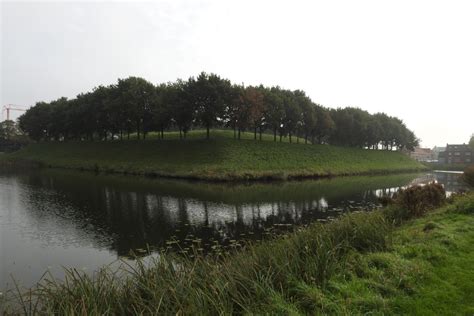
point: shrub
(416, 201)
(468, 175)
(385, 200)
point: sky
(411, 59)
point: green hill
(221, 158)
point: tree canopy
(135, 106)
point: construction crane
(11, 107)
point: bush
(468, 175)
(415, 201)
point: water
(52, 219)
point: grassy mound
(220, 158)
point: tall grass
(221, 284)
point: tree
(292, 115)
(471, 142)
(373, 132)
(58, 125)
(179, 98)
(274, 110)
(136, 96)
(255, 103)
(209, 95)
(8, 130)
(161, 108)
(308, 117)
(34, 122)
(235, 111)
(324, 125)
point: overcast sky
(411, 59)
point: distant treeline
(136, 106)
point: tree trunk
(162, 133)
(305, 139)
(207, 132)
(255, 133)
(275, 135)
(289, 134)
(239, 134)
(180, 135)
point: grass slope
(221, 158)
(427, 271)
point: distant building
(436, 150)
(456, 154)
(422, 154)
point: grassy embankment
(447, 167)
(360, 263)
(221, 158)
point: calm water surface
(53, 219)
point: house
(422, 154)
(456, 154)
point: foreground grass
(221, 158)
(427, 270)
(357, 264)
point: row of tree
(136, 106)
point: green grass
(358, 264)
(220, 133)
(449, 167)
(220, 158)
(428, 270)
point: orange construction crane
(11, 107)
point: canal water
(50, 219)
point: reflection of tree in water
(126, 219)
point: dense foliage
(136, 106)
(9, 130)
(416, 200)
(468, 175)
(11, 137)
